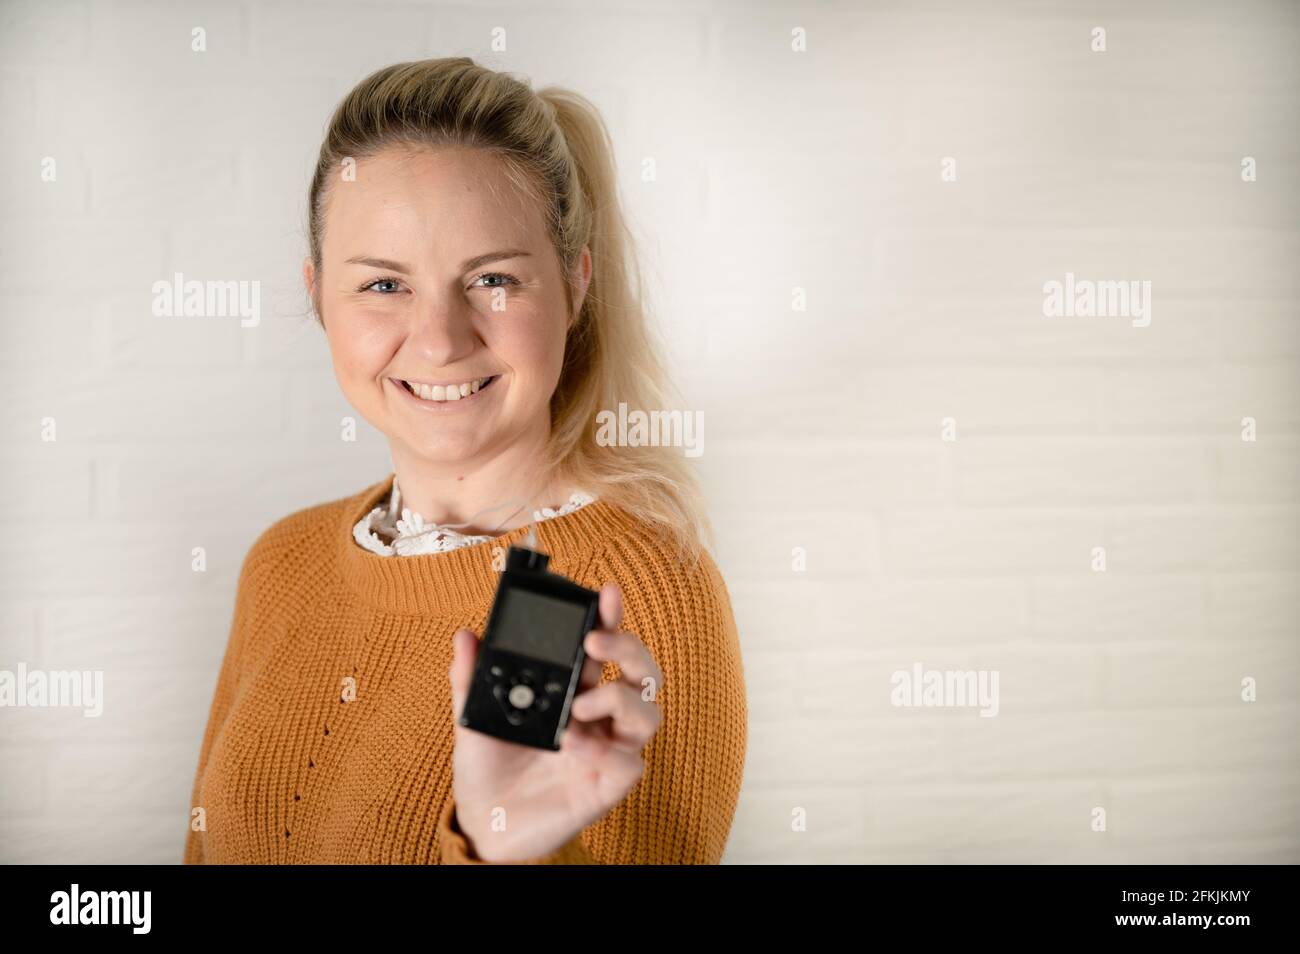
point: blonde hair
(556, 148)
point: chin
(441, 451)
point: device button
(554, 688)
(521, 697)
(497, 671)
(513, 716)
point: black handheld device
(530, 659)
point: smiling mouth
(438, 393)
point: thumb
(464, 651)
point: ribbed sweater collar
(464, 578)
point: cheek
(361, 344)
(533, 350)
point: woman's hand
(549, 797)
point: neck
(492, 495)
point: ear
(581, 281)
(309, 282)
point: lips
(427, 393)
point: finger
(603, 754)
(464, 651)
(592, 670)
(634, 660)
(611, 607)
(610, 613)
(632, 721)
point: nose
(441, 333)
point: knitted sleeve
(227, 683)
(455, 847)
(681, 810)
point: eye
(380, 281)
(506, 279)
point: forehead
(453, 201)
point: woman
(470, 268)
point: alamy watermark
(635, 428)
(131, 908)
(211, 299)
(40, 688)
(1084, 298)
(946, 688)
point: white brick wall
(776, 170)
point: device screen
(540, 626)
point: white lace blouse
(382, 531)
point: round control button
(521, 697)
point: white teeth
(451, 392)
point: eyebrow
(477, 261)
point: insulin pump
(530, 660)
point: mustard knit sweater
(329, 739)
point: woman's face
(438, 277)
